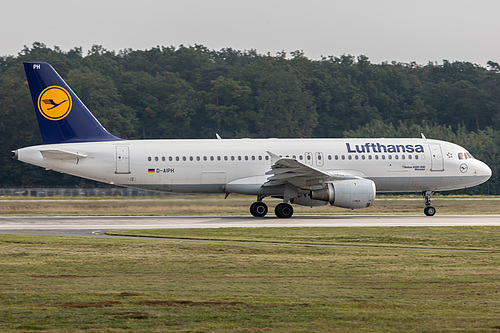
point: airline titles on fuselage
(379, 148)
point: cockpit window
(464, 156)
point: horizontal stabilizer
(61, 154)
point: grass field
(234, 205)
(84, 284)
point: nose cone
(483, 171)
(487, 172)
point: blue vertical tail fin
(62, 117)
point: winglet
(62, 117)
(274, 157)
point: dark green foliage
(194, 92)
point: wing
(288, 170)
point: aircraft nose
(488, 172)
(484, 171)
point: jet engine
(349, 193)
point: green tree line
(195, 92)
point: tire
(258, 209)
(252, 208)
(429, 211)
(283, 210)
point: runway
(98, 225)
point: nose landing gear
(428, 210)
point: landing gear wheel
(283, 210)
(258, 209)
(429, 211)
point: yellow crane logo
(54, 103)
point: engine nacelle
(349, 193)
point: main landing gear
(283, 210)
(259, 209)
(428, 210)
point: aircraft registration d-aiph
(311, 172)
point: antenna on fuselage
(218, 136)
(423, 136)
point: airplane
(310, 172)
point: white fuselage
(239, 165)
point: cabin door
(122, 159)
(437, 162)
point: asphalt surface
(98, 225)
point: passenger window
(156, 158)
(329, 157)
(191, 158)
(267, 158)
(383, 157)
(149, 158)
(376, 157)
(363, 157)
(211, 158)
(349, 157)
(232, 158)
(343, 157)
(300, 157)
(239, 158)
(356, 157)
(253, 157)
(198, 158)
(370, 157)
(218, 158)
(170, 158)
(177, 158)
(416, 157)
(225, 158)
(409, 157)
(163, 158)
(336, 157)
(260, 158)
(205, 158)
(396, 157)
